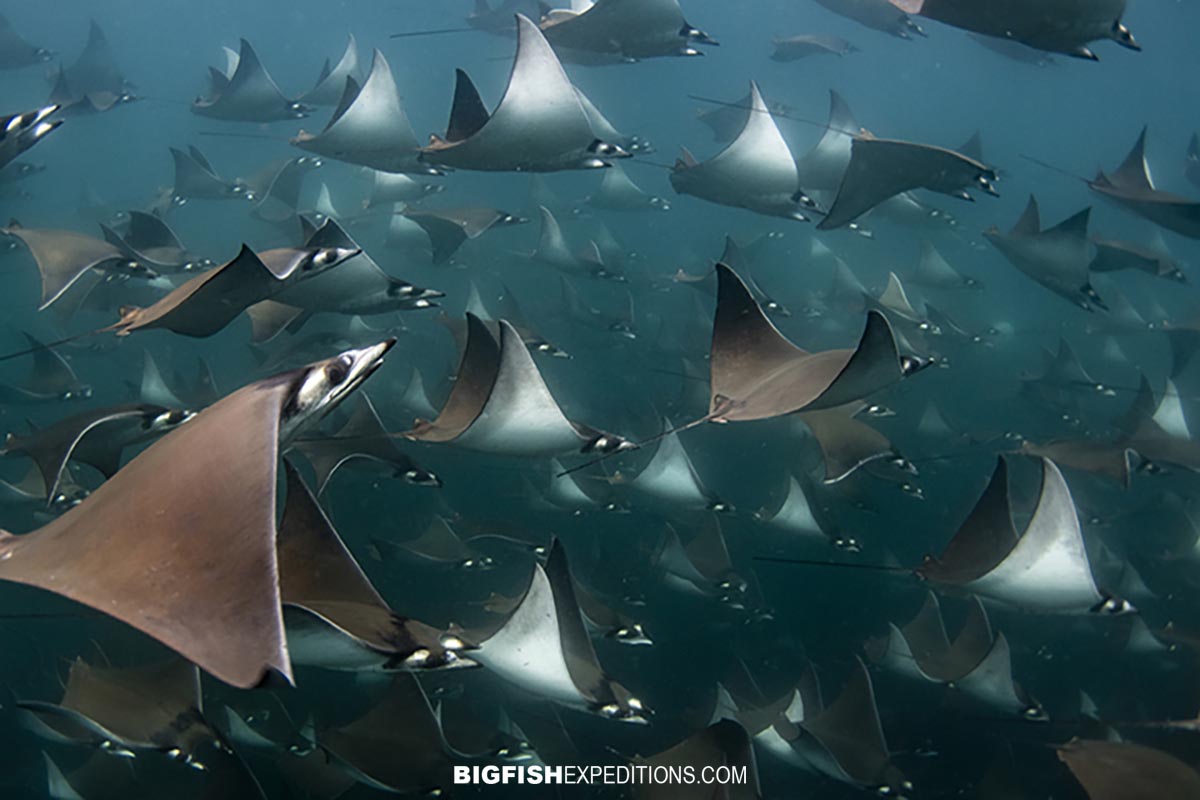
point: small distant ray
(249, 95)
(16, 52)
(1057, 258)
(794, 48)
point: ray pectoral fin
(467, 112)
(175, 590)
(873, 365)
(181, 542)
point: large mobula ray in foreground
(180, 543)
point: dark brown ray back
(180, 543)
(396, 743)
(157, 703)
(983, 540)
(970, 647)
(577, 648)
(318, 573)
(744, 342)
(846, 443)
(62, 256)
(756, 373)
(314, 564)
(1127, 771)
(850, 730)
(206, 303)
(477, 373)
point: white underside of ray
(617, 190)
(250, 89)
(757, 165)
(895, 299)
(329, 90)
(1048, 569)
(528, 651)
(324, 203)
(770, 742)
(394, 187)
(520, 417)
(552, 246)
(767, 739)
(1142, 640)
(903, 208)
(934, 269)
(602, 129)
(57, 786)
(231, 61)
(795, 515)
(539, 121)
(991, 682)
(416, 399)
(154, 389)
(1169, 415)
(670, 476)
(1149, 175)
(374, 131)
(724, 707)
(1112, 351)
(796, 712)
(475, 304)
(315, 641)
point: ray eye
(338, 371)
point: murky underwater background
(1077, 115)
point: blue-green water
(755, 626)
